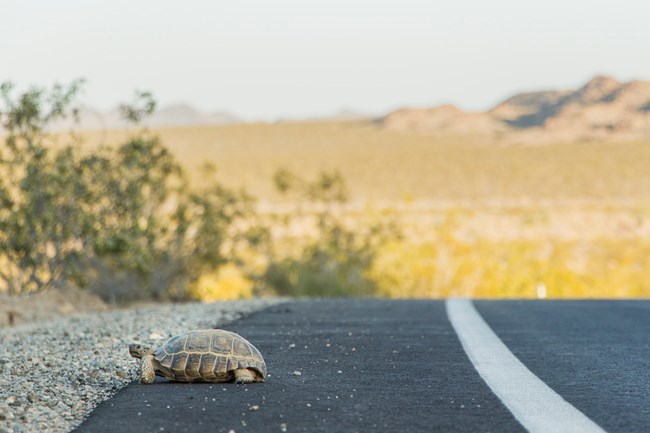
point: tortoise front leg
(147, 372)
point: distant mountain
(528, 109)
(444, 118)
(602, 108)
(173, 115)
(344, 115)
(348, 114)
(185, 115)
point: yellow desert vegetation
(480, 217)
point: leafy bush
(336, 258)
(122, 220)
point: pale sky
(267, 59)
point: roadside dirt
(16, 310)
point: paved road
(380, 365)
(595, 354)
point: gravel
(53, 374)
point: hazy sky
(276, 58)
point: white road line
(536, 406)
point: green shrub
(336, 259)
(121, 220)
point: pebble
(60, 370)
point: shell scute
(257, 365)
(179, 361)
(174, 345)
(208, 361)
(197, 342)
(255, 353)
(221, 365)
(165, 360)
(222, 343)
(193, 364)
(241, 348)
(232, 364)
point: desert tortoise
(210, 355)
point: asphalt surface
(382, 365)
(595, 354)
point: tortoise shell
(209, 355)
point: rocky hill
(602, 108)
(444, 118)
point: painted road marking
(536, 406)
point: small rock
(254, 407)
(297, 373)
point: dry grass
(383, 165)
(482, 218)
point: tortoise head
(138, 350)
